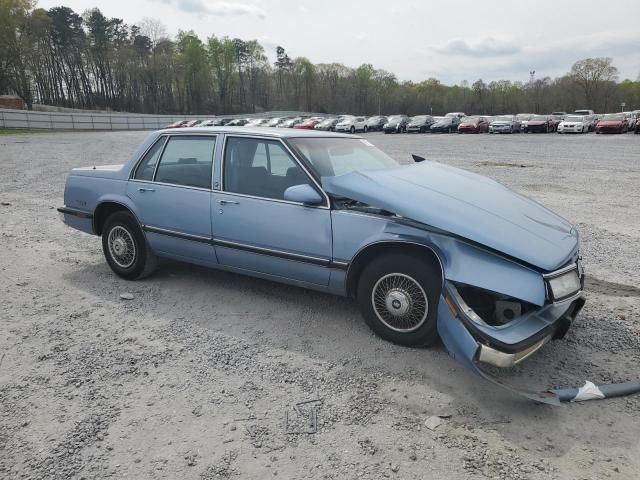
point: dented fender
(461, 261)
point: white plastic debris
(588, 392)
(126, 296)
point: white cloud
(480, 48)
(221, 9)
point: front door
(171, 189)
(254, 228)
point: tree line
(59, 57)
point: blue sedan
(428, 251)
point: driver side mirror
(417, 158)
(304, 194)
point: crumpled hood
(467, 205)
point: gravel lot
(195, 376)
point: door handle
(228, 202)
(142, 190)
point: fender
(460, 261)
(115, 198)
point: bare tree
(591, 74)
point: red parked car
(613, 123)
(308, 124)
(542, 124)
(474, 125)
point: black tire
(352, 129)
(366, 129)
(423, 329)
(143, 262)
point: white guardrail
(106, 121)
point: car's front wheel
(398, 296)
(366, 129)
(125, 247)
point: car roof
(258, 131)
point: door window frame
(166, 138)
(296, 160)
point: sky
(452, 41)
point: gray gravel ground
(194, 377)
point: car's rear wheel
(125, 247)
(398, 296)
(366, 129)
(352, 129)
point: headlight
(564, 285)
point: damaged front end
(482, 328)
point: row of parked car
(581, 121)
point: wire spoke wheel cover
(122, 247)
(399, 302)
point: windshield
(541, 118)
(395, 118)
(419, 119)
(470, 119)
(328, 121)
(574, 118)
(613, 116)
(337, 156)
(501, 119)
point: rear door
(171, 189)
(255, 229)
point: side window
(260, 168)
(187, 160)
(147, 167)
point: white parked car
(352, 125)
(257, 122)
(574, 124)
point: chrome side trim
(299, 257)
(340, 264)
(189, 187)
(273, 252)
(275, 200)
(75, 212)
(173, 233)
